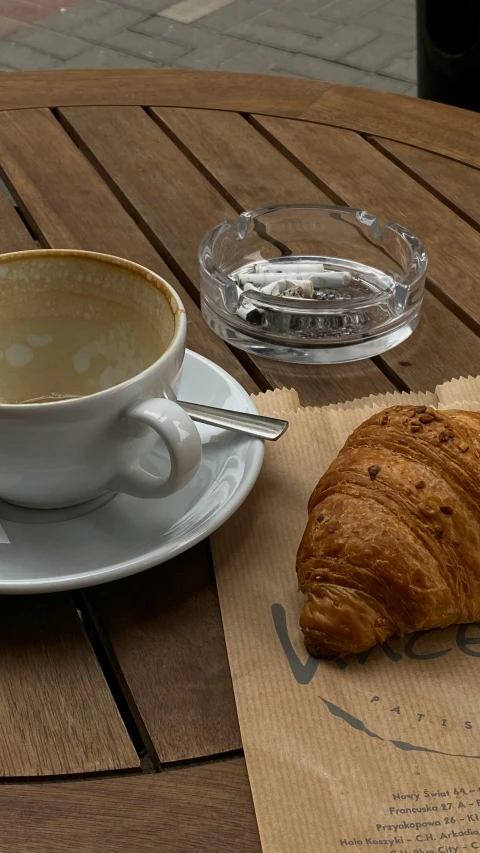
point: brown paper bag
(378, 751)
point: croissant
(392, 543)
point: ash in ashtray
(308, 280)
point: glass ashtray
(315, 284)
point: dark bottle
(448, 41)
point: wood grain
(57, 715)
(238, 158)
(166, 634)
(69, 206)
(322, 384)
(206, 809)
(451, 180)
(429, 125)
(198, 89)
(436, 127)
(171, 198)
(441, 348)
(363, 177)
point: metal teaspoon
(256, 425)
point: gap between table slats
(56, 713)
(453, 183)
(164, 633)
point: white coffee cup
(100, 342)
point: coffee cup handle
(184, 447)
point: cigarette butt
(267, 276)
(288, 268)
(248, 312)
(332, 279)
(272, 289)
(278, 287)
(302, 288)
(258, 278)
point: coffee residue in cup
(45, 398)
(51, 398)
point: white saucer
(47, 551)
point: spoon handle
(256, 425)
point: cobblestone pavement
(362, 42)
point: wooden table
(103, 689)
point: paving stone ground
(361, 42)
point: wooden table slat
(223, 143)
(363, 177)
(57, 715)
(189, 810)
(177, 204)
(165, 192)
(199, 89)
(166, 632)
(71, 206)
(14, 234)
(441, 348)
(451, 180)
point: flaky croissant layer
(392, 542)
